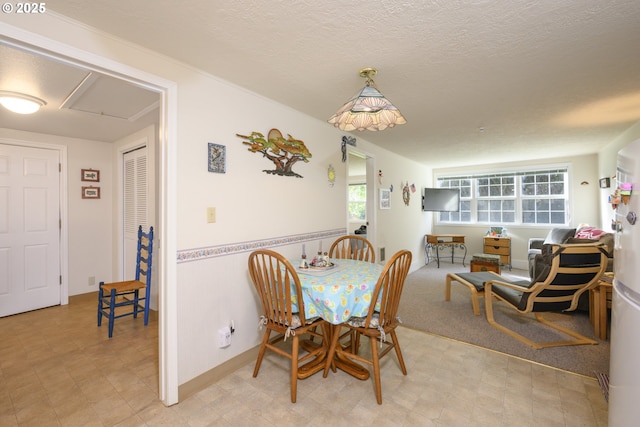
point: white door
(135, 203)
(29, 229)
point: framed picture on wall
(90, 175)
(90, 192)
(385, 198)
(217, 158)
(605, 182)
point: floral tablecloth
(341, 294)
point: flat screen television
(441, 199)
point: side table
(599, 303)
(436, 242)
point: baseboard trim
(214, 375)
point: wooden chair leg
(294, 368)
(112, 311)
(136, 299)
(100, 296)
(396, 346)
(146, 310)
(263, 349)
(376, 369)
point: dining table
(338, 293)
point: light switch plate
(211, 215)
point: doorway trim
(167, 135)
(371, 191)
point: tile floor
(57, 368)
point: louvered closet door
(136, 196)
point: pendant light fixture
(368, 109)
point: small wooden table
(440, 241)
(599, 302)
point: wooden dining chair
(278, 287)
(352, 247)
(124, 297)
(380, 323)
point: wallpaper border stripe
(198, 254)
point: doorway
(166, 177)
(361, 172)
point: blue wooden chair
(125, 296)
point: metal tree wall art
(284, 153)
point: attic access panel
(111, 97)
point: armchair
(556, 236)
(574, 269)
(539, 249)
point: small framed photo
(605, 182)
(90, 175)
(90, 192)
(217, 158)
(385, 198)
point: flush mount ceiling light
(20, 103)
(368, 109)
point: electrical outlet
(224, 337)
(92, 280)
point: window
(524, 197)
(464, 214)
(543, 198)
(358, 202)
(496, 199)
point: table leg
(603, 312)
(344, 363)
(595, 303)
(462, 246)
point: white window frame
(518, 196)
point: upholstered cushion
(559, 235)
(296, 323)
(513, 296)
(358, 322)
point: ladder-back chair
(120, 299)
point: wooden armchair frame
(559, 291)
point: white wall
(252, 207)
(607, 168)
(89, 220)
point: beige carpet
(423, 307)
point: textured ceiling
(479, 81)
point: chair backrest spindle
(352, 247)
